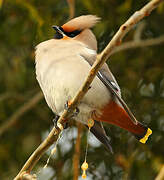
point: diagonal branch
(101, 58)
(15, 117)
(160, 175)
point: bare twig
(160, 176)
(71, 4)
(8, 95)
(124, 29)
(76, 157)
(1, 3)
(14, 118)
(116, 40)
(139, 44)
(4, 96)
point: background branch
(116, 40)
(76, 157)
(71, 4)
(26, 107)
(139, 30)
(138, 44)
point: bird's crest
(80, 23)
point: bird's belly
(63, 80)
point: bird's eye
(58, 36)
(60, 32)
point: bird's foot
(66, 106)
(55, 120)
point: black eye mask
(60, 33)
(70, 34)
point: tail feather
(100, 134)
(114, 114)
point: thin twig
(139, 30)
(26, 107)
(124, 29)
(1, 3)
(139, 44)
(4, 96)
(8, 95)
(71, 4)
(76, 157)
(160, 175)
(116, 40)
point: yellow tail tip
(145, 138)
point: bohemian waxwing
(62, 65)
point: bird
(62, 65)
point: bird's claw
(55, 120)
(66, 106)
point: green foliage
(140, 73)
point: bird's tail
(114, 114)
(100, 134)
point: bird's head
(78, 29)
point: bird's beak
(57, 29)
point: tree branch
(160, 176)
(101, 58)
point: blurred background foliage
(25, 119)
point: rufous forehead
(68, 28)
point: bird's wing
(114, 89)
(106, 76)
(140, 131)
